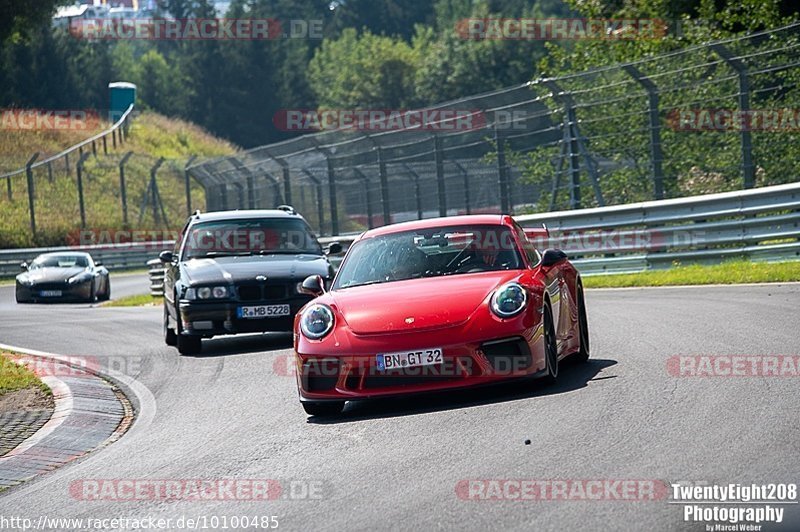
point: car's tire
(107, 292)
(187, 345)
(170, 338)
(550, 347)
(328, 408)
(92, 294)
(583, 329)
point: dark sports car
(438, 304)
(65, 276)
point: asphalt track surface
(228, 414)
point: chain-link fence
(708, 118)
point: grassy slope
(16, 377)
(733, 272)
(151, 136)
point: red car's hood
(399, 306)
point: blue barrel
(122, 95)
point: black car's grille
(51, 286)
(261, 292)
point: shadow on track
(572, 376)
(244, 344)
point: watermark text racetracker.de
(737, 366)
(195, 29)
(199, 489)
(561, 490)
(49, 120)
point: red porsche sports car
(437, 304)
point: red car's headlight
(509, 300)
(316, 321)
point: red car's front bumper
(472, 356)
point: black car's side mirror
(166, 256)
(24, 266)
(313, 286)
(334, 248)
(98, 263)
(552, 257)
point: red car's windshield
(429, 253)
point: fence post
(114, 139)
(735, 63)
(287, 177)
(438, 156)
(8, 189)
(332, 194)
(50, 171)
(365, 179)
(223, 194)
(94, 149)
(240, 194)
(249, 180)
(187, 184)
(417, 192)
(123, 193)
(502, 179)
(384, 187)
(31, 191)
(320, 206)
(571, 143)
(105, 145)
(465, 174)
(276, 187)
(81, 202)
(656, 155)
(66, 162)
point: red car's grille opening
(508, 356)
(320, 375)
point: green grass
(733, 272)
(140, 300)
(57, 208)
(15, 377)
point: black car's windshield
(429, 253)
(249, 237)
(59, 261)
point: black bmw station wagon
(235, 272)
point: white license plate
(263, 311)
(409, 359)
(50, 293)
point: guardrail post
(50, 171)
(748, 170)
(94, 149)
(320, 206)
(384, 187)
(8, 189)
(656, 154)
(31, 191)
(502, 179)
(105, 145)
(187, 184)
(66, 163)
(438, 156)
(365, 179)
(465, 175)
(81, 203)
(114, 139)
(123, 189)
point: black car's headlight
(316, 321)
(24, 281)
(509, 300)
(206, 292)
(80, 278)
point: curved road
(232, 413)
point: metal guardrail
(761, 224)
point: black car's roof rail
(286, 208)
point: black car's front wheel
(187, 345)
(328, 408)
(170, 338)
